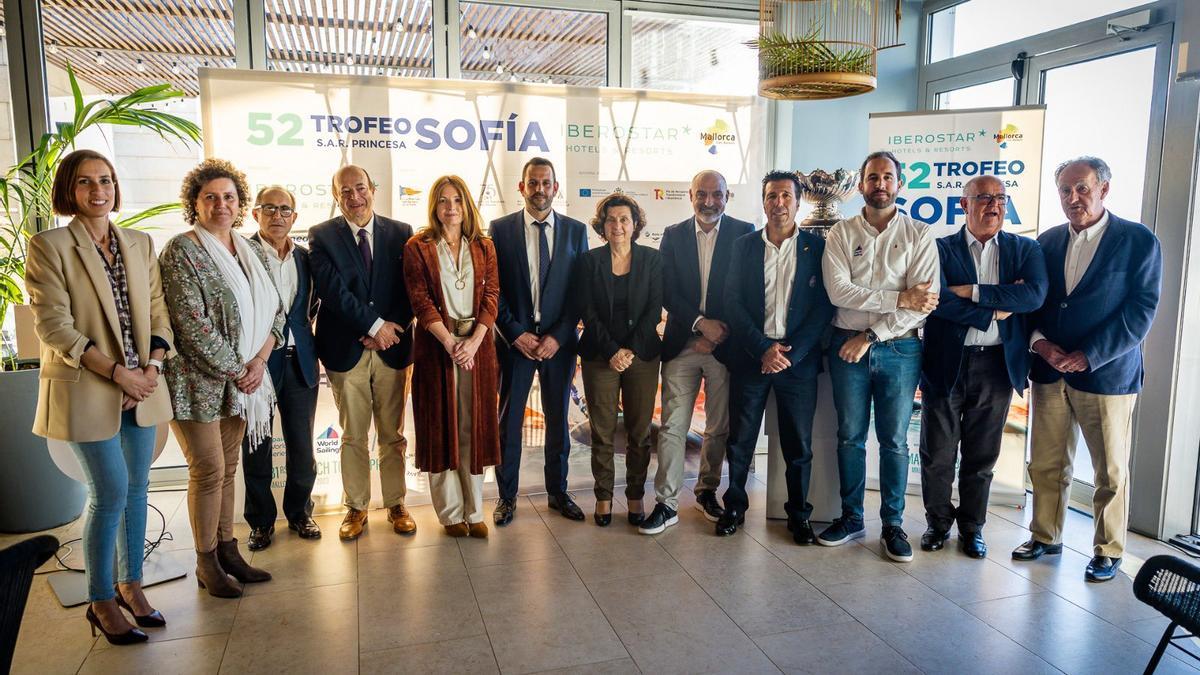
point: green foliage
(810, 54)
(25, 189)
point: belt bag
(463, 327)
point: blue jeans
(118, 475)
(887, 375)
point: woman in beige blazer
(98, 308)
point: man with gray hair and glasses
(1105, 275)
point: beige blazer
(72, 303)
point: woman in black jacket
(620, 294)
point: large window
(355, 38)
(532, 44)
(978, 24)
(700, 55)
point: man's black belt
(983, 349)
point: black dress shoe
(505, 510)
(934, 539)
(802, 532)
(260, 537)
(565, 505)
(1102, 568)
(972, 544)
(306, 527)
(1034, 549)
(729, 521)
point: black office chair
(17, 564)
(1172, 586)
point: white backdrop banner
(296, 129)
(941, 151)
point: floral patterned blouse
(207, 326)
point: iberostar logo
(1010, 132)
(718, 134)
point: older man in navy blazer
(536, 251)
(364, 338)
(696, 255)
(293, 368)
(1105, 277)
(778, 311)
(976, 354)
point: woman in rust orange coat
(450, 272)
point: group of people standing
(216, 334)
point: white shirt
(532, 245)
(986, 256)
(370, 229)
(286, 277)
(1081, 248)
(706, 247)
(455, 273)
(779, 275)
(865, 271)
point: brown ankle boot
(212, 578)
(232, 562)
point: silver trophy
(825, 191)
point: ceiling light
(349, 60)
(141, 66)
(471, 32)
(487, 54)
(499, 69)
(54, 46)
(100, 60)
(513, 78)
(175, 68)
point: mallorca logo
(718, 134)
(1010, 132)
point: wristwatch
(156, 363)
(872, 338)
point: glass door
(1119, 88)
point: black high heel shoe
(602, 519)
(130, 637)
(154, 619)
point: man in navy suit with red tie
(536, 250)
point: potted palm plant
(34, 494)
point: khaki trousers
(212, 450)
(1107, 425)
(681, 378)
(457, 493)
(371, 390)
(632, 392)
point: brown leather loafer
(457, 530)
(401, 521)
(477, 530)
(352, 525)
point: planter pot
(34, 494)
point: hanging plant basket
(820, 49)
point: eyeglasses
(988, 200)
(271, 209)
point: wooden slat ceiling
(119, 45)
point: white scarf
(257, 302)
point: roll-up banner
(940, 151)
(296, 129)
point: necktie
(543, 256)
(364, 249)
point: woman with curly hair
(226, 315)
(620, 295)
(453, 283)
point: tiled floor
(547, 594)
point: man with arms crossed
(696, 256)
(536, 250)
(778, 312)
(881, 270)
(363, 338)
(1105, 277)
(976, 355)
